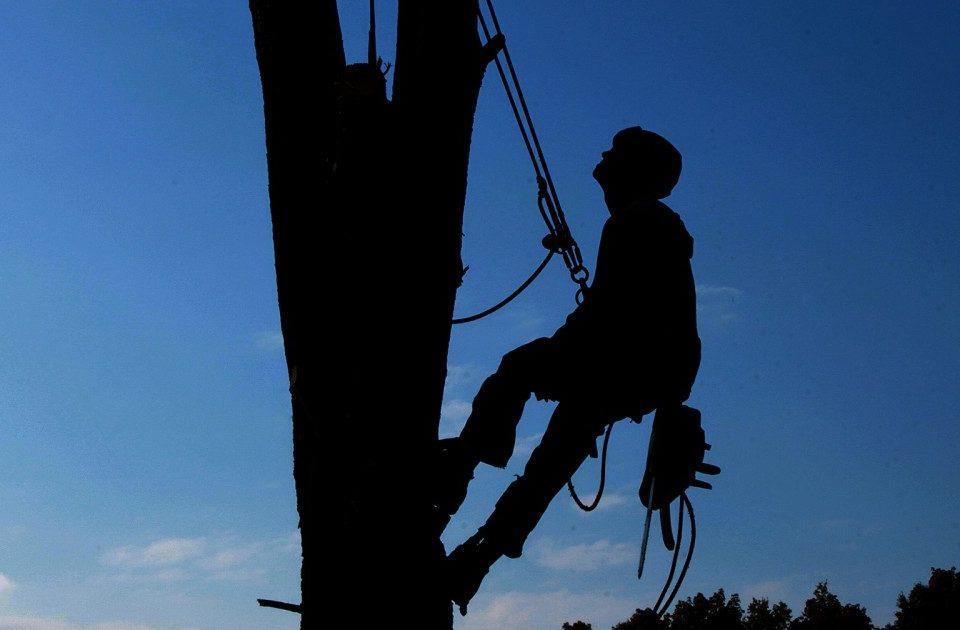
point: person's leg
(568, 440)
(490, 431)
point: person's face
(601, 172)
(611, 168)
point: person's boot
(466, 567)
(452, 473)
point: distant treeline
(931, 606)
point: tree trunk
(366, 200)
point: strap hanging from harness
(558, 240)
(603, 477)
(662, 606)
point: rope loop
(603, 478)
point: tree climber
(633, 341)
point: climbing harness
(558, 240)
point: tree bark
(366, 200)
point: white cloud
(606, 502)
(22, 622)
(526, 445)
(453, 415)
(188, 575)
(531, 322)
(162, 552)
(584, 557)
(180, 559)
(289, 544)
(546, 611)
(717, 304)
(237, 562)
(773, 590)
(231, 557)
(708, 290)
(170, 575)
(460, 374)
(271, 341)
(10, 622)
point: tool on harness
(677, 448)
(674, 457)
(558, 240)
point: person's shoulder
(652, 225)
(667, 229)
(665, 212)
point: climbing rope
(603, 477)
(559, 240)
(546, 191)
(657, 608)
(509, 298)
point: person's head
(639, 165)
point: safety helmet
(651, 156)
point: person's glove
(677, 447)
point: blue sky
(144, 423)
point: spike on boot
(466, 567)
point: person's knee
(526, 357)
(551, 467)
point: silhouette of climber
(629, 348)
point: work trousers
(587, 403)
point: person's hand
(677, 448)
